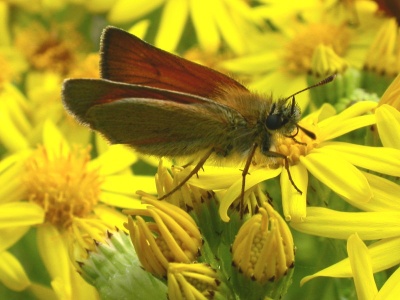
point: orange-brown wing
(126, 58)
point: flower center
(294, 148)
(299, 51)
(49, 50)
(62, 184)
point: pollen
(298, 146)
(62, 184)
(300, 50)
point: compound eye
(274, 122)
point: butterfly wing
(145, 119)
(79, 95)
(126, 58)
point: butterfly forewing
(79, 95)
(126, 58)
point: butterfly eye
(275, 121)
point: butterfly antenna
(322, 82)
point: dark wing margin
(126, 58)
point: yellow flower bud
(166, 234)
(263, 248)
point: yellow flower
(213, 21)
(75, 196)
(380, 219)
(332, 163)
(283, 68)
(56, 51)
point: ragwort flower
(333, 163)
(70, 190)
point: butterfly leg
(276, 154)
(244, 174)
(193, 172)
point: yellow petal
(110, 216)
(20, 214)
(120, 200)
(228, 25)
(172, 24)
(216, 178)
(358, 109)
(10, 136)
(283, 84)
(386, 195)
(204, 24)
(12, 274)
(391, 95)
(262, 62)
(293, 203)
(388, 122)
(140, 28)
(115, 159)
(379, 159)
(54, 254)
(391, 288)
(338, 174)
(54, 141)
(125, 10)
(361, 266)
(344, 126)
(235, 190)
(129, 184)
(11, 168)
(9, 236)
(340, 225)
(384, 255)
